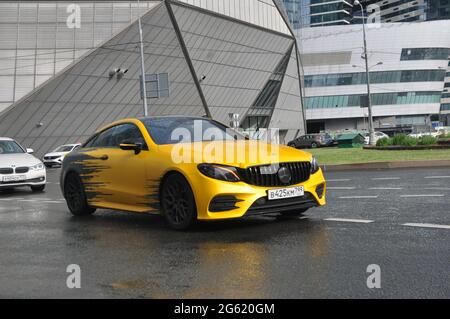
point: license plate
(286, 192)
(14, 178)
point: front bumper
(251, 200)
(32, 178)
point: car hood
(246, 153)
(7, 160)
(57, 154)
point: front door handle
(104, 157)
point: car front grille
(6, 171)
(267, 175)
(22, 170)
(49, 158)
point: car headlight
(37, 167)
(223, 173)
(314, 165)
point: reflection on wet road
(132, 255)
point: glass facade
(375, 77)
(445, 107)
(320, 102)
(298, 12)
(39, 39)
(425, 54)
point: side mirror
(129, 146)
(30, 151)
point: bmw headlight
(37, 167)
(314, 165)
(223, 173)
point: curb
(386, 165)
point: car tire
(38, 189)
(292, 213)
(76, 197)
(314, 145)
(178, 202)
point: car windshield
(63, 148)
(10, 147)
(172, 130)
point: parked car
(134, 165)
(419, 135)
(56, 157)
(312, 141)
(18, 168)
(378, 135)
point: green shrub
(410, 141)
(399, 139)
(427, 140)
(385, 141)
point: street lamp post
(144, 89)
(369, 98)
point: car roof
(173, 116)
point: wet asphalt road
(324, 255)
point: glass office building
(314, 13)
(69, 67)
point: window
(377, 99)
(116, 135)
(425, 54)
(375, 77)
(10, 147)
(172, 130)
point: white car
(419, 135)
(18, 168)
(378, 135)
(57, 156)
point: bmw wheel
(76, 197)
(178, 203)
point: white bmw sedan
(18, 168)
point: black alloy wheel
(178, 203)
(76, 197)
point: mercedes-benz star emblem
(284, 174)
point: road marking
(340, 187)
(385, 188)
(385, 178)
(13, 198)
(437, 188)
(27, 200)
(427, 225)
(338, 180)
(356, 197)
(437, 176)
(423, 195)
(53, 202)
(363, 221)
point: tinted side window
(103, 139)
(126, 133)
(117, 135)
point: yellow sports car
(188, 169)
